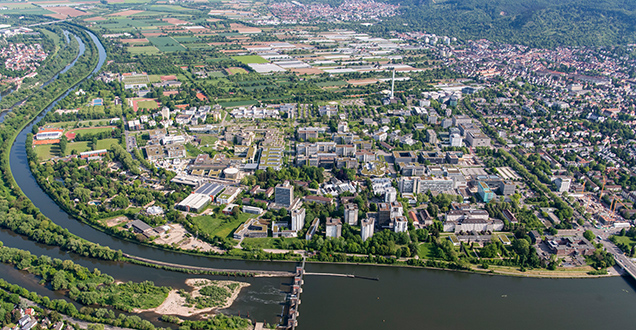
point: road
(619, 256)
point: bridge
(626, 264)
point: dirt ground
(176, 305)
(178, 235)
(115, 221)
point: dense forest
(537, 23)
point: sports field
(147, 105)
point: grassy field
(144, 50)
(147, 105)
(70, 124)
(260, 243)
(207, 139)
(215, 226)
(154, 78)
(24, 9)
(625, 240)
(186, 39)
(216, 74)
(86, 145)
(95, 130)
(248, 59)
(236, 71)
(166, 44)
(425, 251)
(47, 151)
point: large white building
(351, 214)
(417, 185)
(48, 135)
(400, 224)
(456, 140)
(390, 195)
(333, 228)
(562, 183)
(367, 226)
(471, 220)
(298, 219)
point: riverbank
(177, 303)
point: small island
(206, 296)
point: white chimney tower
(393, 84)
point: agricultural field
(166, 44)
(25, 9)
(232, 71)
(138, 79)
(249, 59)
(144, 50)
(332, 83)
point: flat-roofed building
(271, 157)
(312, 229)
(154, 152)
(431, 136)
(485, 192)
(351, 214)
(284, 194)
(384, 214)
(176, 151)
(333, 228)
(210, 189)
(562, 183)
(405, 156)
(306, 133)
(400, 224)
(298, 219)
(456, 140)
(367, 227)
(48, 135)
(194, 202)
(461, 119)
(434, 184)
(228, 195)
(93, 154)
(477, 139)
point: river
(403, 298)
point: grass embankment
(219, 225)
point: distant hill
(539, 23)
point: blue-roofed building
(210, 189)
(485, 192)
